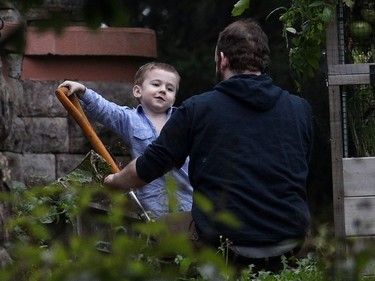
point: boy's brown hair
(141, 73)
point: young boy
(155, 86)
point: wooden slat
(332, 42)
(359, 216)
(336, 157)
(359, 177)
(349, 74)
(359, 192)
(353, 69)
(336, 133)
(349, 79)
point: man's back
(249, 145)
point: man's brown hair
(245, 45)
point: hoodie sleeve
(169, 150)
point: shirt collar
(169, 111)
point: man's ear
(224, 62)
(137, 91)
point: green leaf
(296, 41)
(240, 7)
(291, 30)
(327, 14)
(184, 265)
(275, 10)
(316, 4)
(349, 3)
(228, 219)
(203, 203)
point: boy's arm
(99, 109)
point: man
(249, 144)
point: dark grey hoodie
(249, 144)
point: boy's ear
(137, 91)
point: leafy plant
(361, 116)
(58, 237)
(304, 29)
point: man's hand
(112, 182)
(125, 180)
(74, 87)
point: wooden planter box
(359, 196)
(359, 208)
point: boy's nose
(163, 88)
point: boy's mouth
(160, 98)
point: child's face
(158, 91)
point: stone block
(39, 100)
(14, 64)
(119, 93)
(16, 138)
(31, 169)
(15, 86)
(78, 142)
(46, 135)
(5, 109)
(65, 163)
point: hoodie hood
(257, 91)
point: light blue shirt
(138, 132)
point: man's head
(245, 47)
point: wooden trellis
(353, 177)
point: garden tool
(72, 105)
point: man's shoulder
(296, 98)
(198, 98)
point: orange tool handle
(72, 105)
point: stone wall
(40, 139)
(44, 141)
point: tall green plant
(361, 117)
(304, 29)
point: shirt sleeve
(109, 114)
(169, 150)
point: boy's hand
(74, 87)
